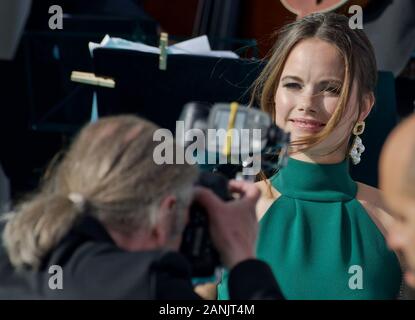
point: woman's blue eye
(292, 85)
(333, 90)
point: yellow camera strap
(231, 124)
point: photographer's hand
(233, 224)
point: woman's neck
(306, 156)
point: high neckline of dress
(315, 182)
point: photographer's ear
(161, 232)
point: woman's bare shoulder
(369, 194)
(268, 195)
(372, 200)
(267, 189)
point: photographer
(397, 180)
(112, 220)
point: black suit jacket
(93, 267)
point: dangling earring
(357, 148)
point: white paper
(197, 46)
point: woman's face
(308, 93)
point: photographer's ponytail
(38, 226)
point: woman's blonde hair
(352, 44)
(110, 170)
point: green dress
(319, 240)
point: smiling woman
(316, 223)
(308, 96)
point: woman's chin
(295, 135)
(305, 131)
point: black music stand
(56, 103)
(159, 95)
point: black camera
(238, 142)
(197, 244)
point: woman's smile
(308, 125)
